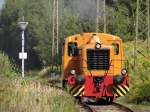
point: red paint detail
(72, 80)
(89, 87)
(125, 80)
(108, 83)
(105, 87)
(102, 89)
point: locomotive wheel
(109, 100)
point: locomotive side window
(116, 48)
(72, 49)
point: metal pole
(104, 15)
(22, 53)
(53, 38)
(97, 17)
(136, 37)
(57, 7)
(148, 25)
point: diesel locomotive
(94, 66)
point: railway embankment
(135, 107)
(30, 94)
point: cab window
(116, 48)
(72, 49)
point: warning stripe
(121, 90)
(80, 91)
(118, 92)
(127, 88)
(75, 90)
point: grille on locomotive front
(98, 59)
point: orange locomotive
(94, 66)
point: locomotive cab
(94, 66)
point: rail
(114, 107)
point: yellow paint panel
(79, 63)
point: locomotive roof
(107, 36)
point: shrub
(140, 93)
(139, 78)
(7, 68)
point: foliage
(74, 17)
(121, 16)
(38, 35)
(30, 94)
(139, 78)
(7, 68)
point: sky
(1, 2)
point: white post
(22, 53)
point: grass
(20, 95)
(32, 93)
(133, 106)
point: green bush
(7, 68)
(140, 93)
(140, 77)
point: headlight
(118, 79)
(80, 79)
(98, 45)
(123, 71)
(73, 72)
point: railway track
(100, 106)
(114, 107)
(85, 108)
